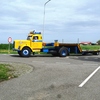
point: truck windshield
(29, 37)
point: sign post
(9, 41)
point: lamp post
(44, 16)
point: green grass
(3, 51)
(90, 47)
(4, 72)
(84, 47)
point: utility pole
(44, 17)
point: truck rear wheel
(25, 52)
(63, 52)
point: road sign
(9, 39)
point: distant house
(86, 43)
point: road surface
(54, 78)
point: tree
(98, 42)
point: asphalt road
(54, 78)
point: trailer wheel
(96, 53)
(63, 52)
(84, 53)
(25, 52)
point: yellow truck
(34, 44)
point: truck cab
(35, 39)
(32, 44)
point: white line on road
(84, 82)
(67, 63)
(86, 58)
(90, 64)
(95, 58)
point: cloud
(61, 17)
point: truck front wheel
(25, 52)
(63, 52)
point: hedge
(5, 46)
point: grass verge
(84, 47)
(90, 47)
(5, 72)
(3, 51)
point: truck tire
(63, 52)
(84, 53)
(96, 53)
(25, 52)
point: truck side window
(35, 38)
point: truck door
(36, 43)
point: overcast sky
(67, 20)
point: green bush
(5, 46)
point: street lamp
(44, 15)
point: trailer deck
(71, 47)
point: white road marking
(90, 64)
(38, 61)
(95, 58)
(67, 63)
(86, 80)
(86, 58)
(76, 57)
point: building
(86, 43)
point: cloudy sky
(65, 20)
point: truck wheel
(96, 53)
(63, 52)
(84, 53)
(25, 52)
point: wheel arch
(27, 47)
(65, 48)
